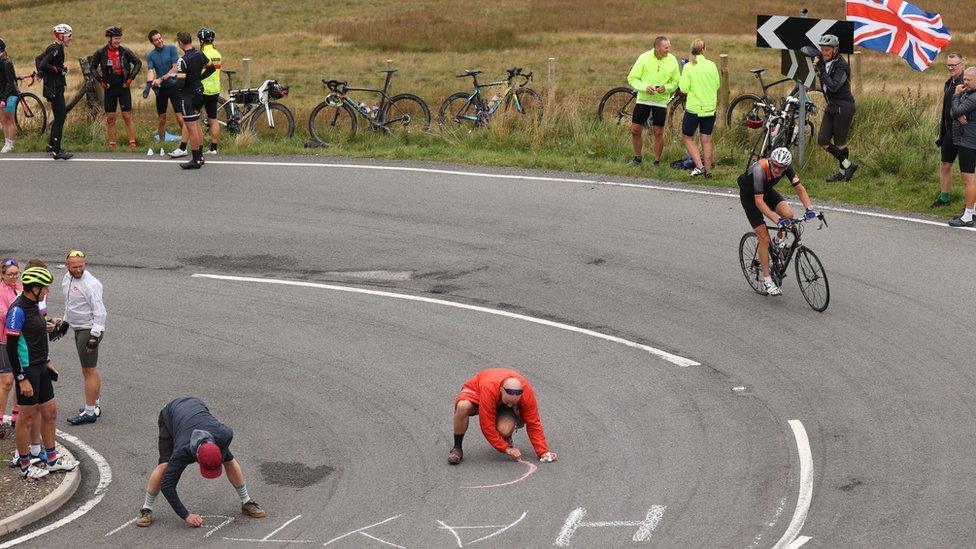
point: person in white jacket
(84, 312)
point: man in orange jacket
(504, 401)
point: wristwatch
(21, 377)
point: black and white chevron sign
(798, 67)
(792, 33)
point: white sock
(967, 214)
(90, 410)
(846, 163)
(768, 279)
(150, 500)
(35, 449)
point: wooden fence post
(858, 83)
(723, 90)
(551, 84)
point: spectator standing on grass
(115, 67)
(8, 99)
(655, 77)
(211, 84)
(162, 63)
(835, 127)
(700, 82)
(9, 289)
(84, 311)
(944, 142)
(963, 113)
(52, 69)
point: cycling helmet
(113, 31)
(830, 40)
(36, 275)
(62, 28)
(781, 156)
(206, 34)
(753, 121)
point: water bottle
(374, 112)
(495, 100)
(363, 108)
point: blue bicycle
(471, 108)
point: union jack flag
(895, 26)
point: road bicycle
(783, 248)
(471, 108)
(617, 107)
(30, 116)
(781, 128)
(254, 109)
(749, 109)
(338, 115)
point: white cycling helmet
(62, 28)
(781, 156)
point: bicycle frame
(343, 89)
(781, 261)
(487, 111)
(243, 114)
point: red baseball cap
(210, 459)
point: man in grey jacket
(963, 114)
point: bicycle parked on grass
(337, 116)
(617, 107)
(810, 273)
(30, 116)
(748, 110)
(253, 108)
(781, 128)
(471, 108)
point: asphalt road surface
(341, 401)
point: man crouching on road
(504, 401)
(189, 433)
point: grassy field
(594, 44)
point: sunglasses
(76, 253)
(513, 392)
(952, 66)
(9, 263)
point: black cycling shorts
(118, 96)
(165, 441)
(190, 104)
(656, 114)
(692, 122)
(748, 199)
(836, 124)
(949, 150)
(210, 103)
(40, 379)
(170, 95)
(967, 160)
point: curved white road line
(532, 468)
(104, 479)
(664, 355)
(729, 194)
(791, 538)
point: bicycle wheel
(676, 114)
(330, 124)
(617, 106)
(759, 149)
(406, 113)
(526, 101)
(224, 114)
(30, 116)
(276, 123)
(812, 278)
(749, 261)
(740, 108)
(456, 109)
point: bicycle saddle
(388, 71)
(469, 72)
(757, 71)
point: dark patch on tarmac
(243, 263)
(596, 261)
(294, 474)
(851, 485)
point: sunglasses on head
(76, 253)
(513, 392)
(9, 263)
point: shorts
(118, 96)
(210, 103)
(40, 380)
(692, 122)
(5, 367)
(170, 95)
(12, 103)
(836, 124)
(748, 200)
(88, 360)
(190, 104)
(967, 160)
(471, 395)
(656, 114)
(165, 441)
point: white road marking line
(790, 539)
(120, 528)
(104, 479)
(729, 194)
(532, 469)
(664, 355)
(360, 530)
(282, 527)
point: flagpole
(802, 147)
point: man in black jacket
(50, 67)
(954, 64)
(189, 433)
(835, 77)
(115, 67)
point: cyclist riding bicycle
(759, 199)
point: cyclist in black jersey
(759, 199)
(115, 67)
(835, 78)
(194, 67)
(50, 67)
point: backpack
(685, 163)
(37, 64)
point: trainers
(177, 153)
(635, 161)
(33, 472)
(62, 464)
(145, 518)
(253, 510)
(938, 203)
(82, 418)
(849, 172)
(62, 155)
(98, 410)
(7, 148)
(132, 146)
(958, 222)
(112, 145)
(835, 178)
(772, 288)
(455, 456)
(192, 165)
(211, 152)
(698, 171)
(657, 163)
